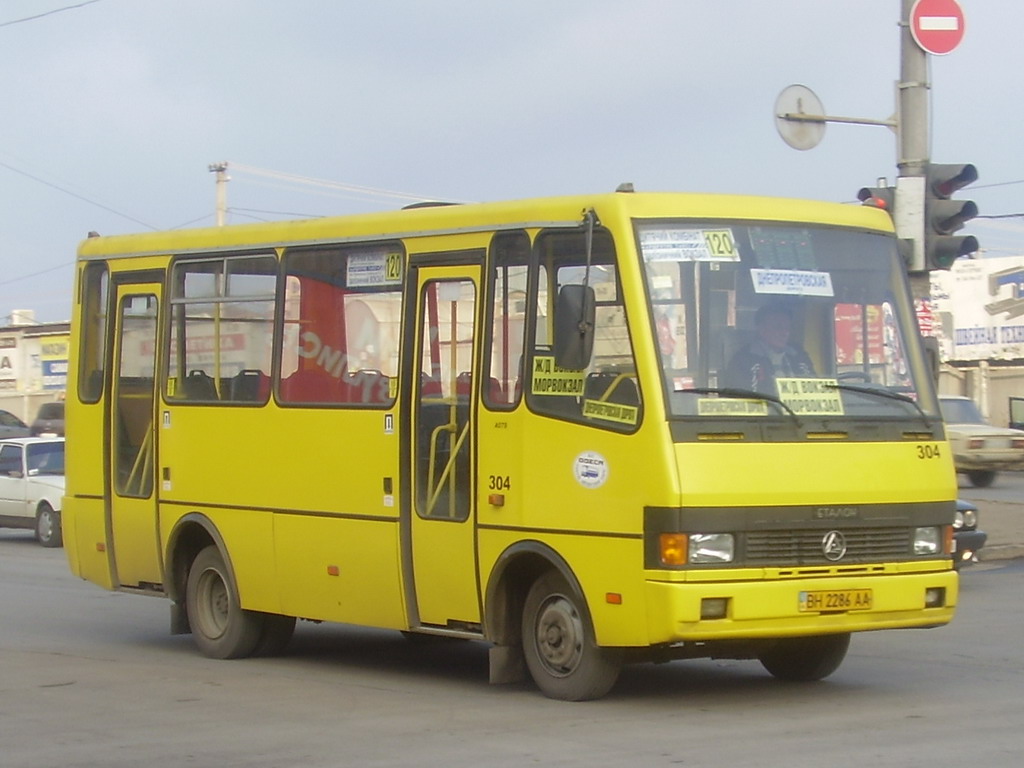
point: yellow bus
(585, 430)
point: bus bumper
(736, 610)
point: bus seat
(429, 386)
(313, 385)
(495, 392)
(368, 386)
(199, 385)
(250, 385)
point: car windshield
(961, 412)
(46, 458)
(768, 320)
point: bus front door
(442, 521)
(130, 442)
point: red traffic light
(878, 197)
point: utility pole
(913, 145)
(221, 169)
(913, 86)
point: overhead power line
(75, 195)
(47, 13)
(37, 274)
(337, 186)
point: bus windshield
(776, 321)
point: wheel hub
(559, 636)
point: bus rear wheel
(559, 646)
(222, 629)
(804, 659)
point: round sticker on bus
(591, 469)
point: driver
(756, 365)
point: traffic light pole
(912, 131)
(924, 216)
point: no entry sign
(937, 25)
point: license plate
(836, 600)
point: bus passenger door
(442, 517)
(130, 442)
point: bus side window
(222, 328)
(93, 333)
(509, 259)
(342, 325)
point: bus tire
(559, 646)
(221, 628)
(276, 634)
(48, 532)
(805, 659)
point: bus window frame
(94, 296)
(175, 325)
(343, 250)
(517, 375)
(551, 266)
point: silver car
(979, 449)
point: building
(33, 363)
(977, 313)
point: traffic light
(879, 197)
(943, 216)
(900, 206)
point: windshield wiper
(743, 394)
(888, 393)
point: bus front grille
(807, 547)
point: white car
(979, 449)
(31, 486)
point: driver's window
(606, 393)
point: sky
(114, 110)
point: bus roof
(439, 219)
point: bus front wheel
(803, 659)
(222, 629)
(559, 646)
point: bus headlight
(927, 541)
(679, 549)
(712, 548)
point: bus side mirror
(574, 327)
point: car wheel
(559, 646)
(981, 478)
(804, 659)
(221, 628)
(48, 532)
